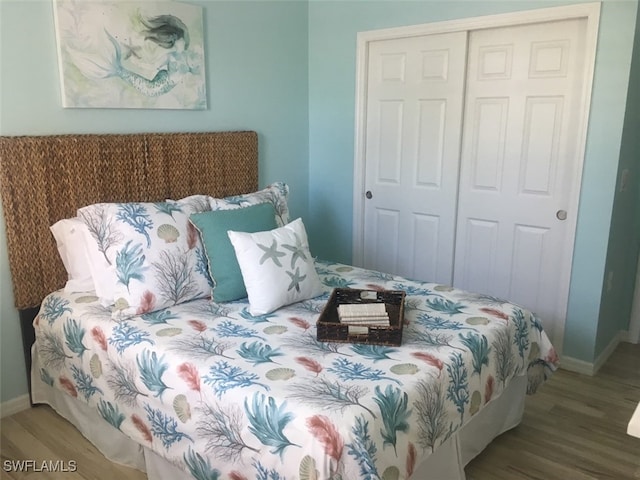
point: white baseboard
(14, 405)
(587, 368)
(575, 365)
(629, 337)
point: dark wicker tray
(329, 328)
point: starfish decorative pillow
(277, 267)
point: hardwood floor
(574, 428)
(40, 434)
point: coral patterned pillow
(144, 256)
(277, 193)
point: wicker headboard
(46, 178)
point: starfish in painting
(296, 278)
(271, 253)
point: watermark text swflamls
(61, 466)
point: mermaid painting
(148, 64)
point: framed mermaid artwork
(130, 54)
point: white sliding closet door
(413, 126)
(469, 149)
(519, 162)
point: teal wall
(333, 27)
(624, 235)
(256, 80)
(287, 70)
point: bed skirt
(447, 462)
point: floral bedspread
(226, 395)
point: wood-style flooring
(574, 428)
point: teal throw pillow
(223, 265)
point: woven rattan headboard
(46, 178)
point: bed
(237, 388)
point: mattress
(216, 392)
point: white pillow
(277, 267)
(70, 240)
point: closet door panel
(524, 85)
(414, 104)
